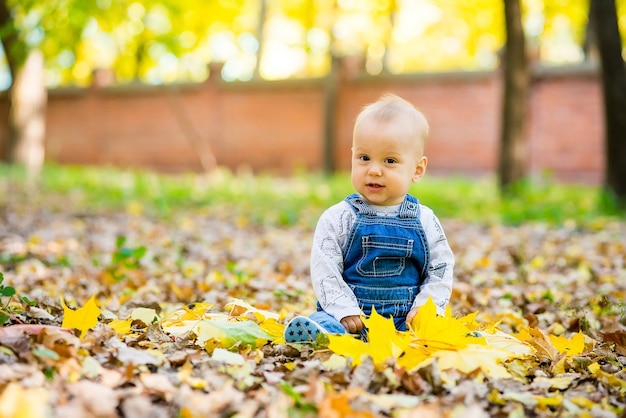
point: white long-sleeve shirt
(330, 241)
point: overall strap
(408, 209)
(359, 205)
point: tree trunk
(331, 97)
(331, 87)
(609, 44)
(513, 151)
(393, 14)
(260, 30)
(27, 99)
(27, 117)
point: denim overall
(385, 262)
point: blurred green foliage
(298, 199)
(165, 41)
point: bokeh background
(274, 85)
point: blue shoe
(302, 329)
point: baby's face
(386, 159)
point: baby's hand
(352, 323)
(411, 315)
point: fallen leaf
(12, 331)
(158, 385)
(246, 333)
(558, 382)
(238, 307)
(83, 318)
(509, 343)
(473, 358)
(18, 402)
(348, 346)
(132, 356)
(338, 405)
(607, 378)
(570, 346)
(227, 357)
(146, 315)
(434, 332)
(544, 348)
(618, 338)
(100, 400)
(385, 342)
(335, 362)
(121, 326)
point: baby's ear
(420, 169)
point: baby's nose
(375, 169)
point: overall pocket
(390, 302)
(384, 256)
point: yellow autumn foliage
(455, 343)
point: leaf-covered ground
(188, 313)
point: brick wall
(279, 126)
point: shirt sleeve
(331, 235)
(438, 284)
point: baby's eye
(364, 158)
(391, 160)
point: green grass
(297, 199)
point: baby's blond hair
(389, 107)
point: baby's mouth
(374, 185)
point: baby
(379, 248)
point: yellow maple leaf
(83, 318)
(428, 334)
(414, 357)
(448, 342)
(275, 329)
(121, 326)
(349, 346)
(571, 347)
(511, 319)
(433, 333)
(436, 333)
(473, 357)
(196, 312)
(509, 343)
(185, 318)
(385, 342)
(468, 320)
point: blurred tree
(169, 41)
(604, 21)
(23, 24)
(262, 17)
(135, 40)
(27, 97)
(164, 41)
(513, 151)
(393, 17)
